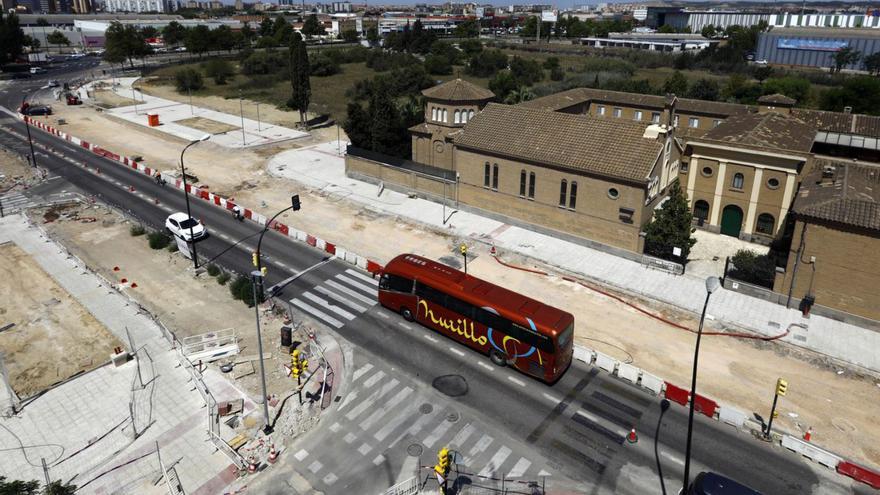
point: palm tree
(519, 95)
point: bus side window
(431, 294)
(457, 305)
(395, 283)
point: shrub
(753, 268)
(158, 240)
(235, 288)
(437, 64)
(263, 63)
(218, 69)
(323, 66)
(136, 230)
(487, 62)
(188, 79)
(213, 270)
(557, 74)
(223, 278)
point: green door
(731, 220)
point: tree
(350, 36)
(12, 38)
(57, 38)
(437, 65)
(322, 66)
(281, 32)
(754, 268)
(31, 42)
(471, 47)
(357, 126)
(684, 61)
(301, 90)
(872, 63)
(502, 84)
(198, 40)
(551, 63)
(384, 122)
(42, 22)
(56, 488)
(266, 26)
(222, 38)
(149, 32)
(124, 42)
(468, 29)
(861, 93)
(519, 95)
(421, 39)
(487, 62)
(218, 69)
(557, 74)
(845, 56)
(18, 487)
(708, 31)
(373, 35)
(526, 71)
(671, 228)
(676, 84)
(705, 89)
(247, 33)
(762, 72)
(312, 27)
(188, 79)
(790, 86)
(173, 34)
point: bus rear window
(565, 337)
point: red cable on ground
(645, 311)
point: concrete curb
(723, 413)
(228, 204)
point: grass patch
(136, 230)
(158, 240)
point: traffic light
(294, 202)
(442, 467)
(255, 258)
(264, 270)
(294, 363)
(781, 387)
(463, 249)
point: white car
(179, 225)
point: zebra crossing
(384, 415)
(14, 201)
(340, 299)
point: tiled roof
(851, 197)
(766, 130)
(607, 147)
(777, 99)
(575, 96)
(847, 123)
(458, 90)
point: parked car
(53, 83)
(178, 224)
(32, 110)
(708, 483)
(37, 70)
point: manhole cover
(451, 385)
(426, 408)
(453, 417)
(415, 450)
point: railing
(402, 163)
(408, 487)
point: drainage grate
(415, 450)
(453, 417)
(426, 408)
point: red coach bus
(511, 328)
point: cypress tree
(385, 120)
(671, 228)
(301, 92)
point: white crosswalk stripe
(363, 406)
(339, 300)
(385, 409)
(14, 201)
(495, 463)
(519, 468)
(396, 421)
(436, 434)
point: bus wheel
(406, 313)
(497, 357)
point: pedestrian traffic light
(294, 202)
(255, 259)
(442, 467)
(463, 249)
(264, 270)
(781, 387)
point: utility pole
(258, 117)
(241, 111)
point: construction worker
(159, 179)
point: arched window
(495, 176)
(765, 224)
(445, 116)
(486, 175)
(532, 185)
(572, 196)
(470, 114)
(464, 116)
(738, 180)
(701, 210)
(522, 183)
(563, 192)
(457, 117)
(434, 114)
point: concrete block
(628, 372)
(732, 416)
(300, 235)
(340, 252)
(583, 354)
(361, 262)
(652, 382)
(119, 359)
(811, 451)
(321, 244)
(605, 362)
(350, 257)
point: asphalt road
(572, 429)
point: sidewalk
(84, 427)
(323, 168)
(172, 114)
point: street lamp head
(712, 284)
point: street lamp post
(28, 126)
(241, 111)
(257, 279)
(712, 284)
(258, 118)
(186, 197)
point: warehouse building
(814, 47)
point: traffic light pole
(257, 282)
(772, 413)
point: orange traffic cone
(492, 251)
(808, 434)
(252, 466)
(632, 437)
(273, 454)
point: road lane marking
(551, 398)
(302, 454)
(432, 339)
(486, 366)
(404, 325)
(517, 381)
(457, 351)
(672, 458)
(383, 315)
(519, 468)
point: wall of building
(406, 180)
(769, 48)
(768, 187)
(845, 272)
(787, 19)
(433, 149)
(701, 125)
(596, 214)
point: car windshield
(189, 222)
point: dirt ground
(735, 372)
(106, 98)
(54, 337)
(14, 170)
(186, 304)
(207, 125)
